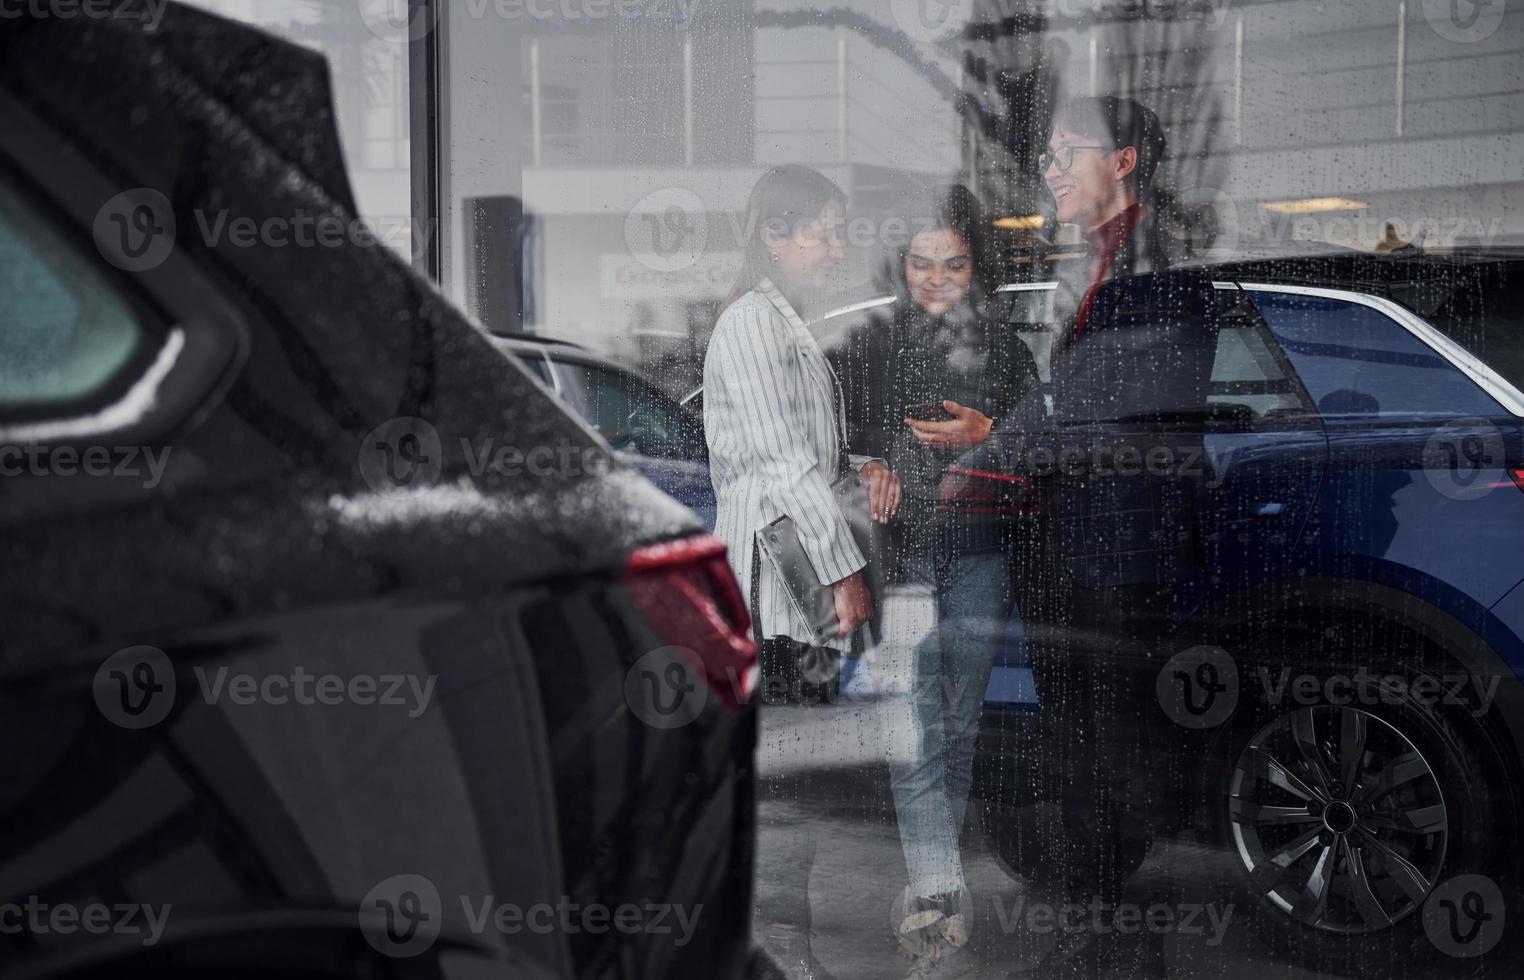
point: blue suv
(1319, 463)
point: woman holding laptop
(772, 414)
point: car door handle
(1270, 509)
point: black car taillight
(1517, 472)
(688, 592)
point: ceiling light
(1313, 205)
(1026, 222)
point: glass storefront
(1179, 345)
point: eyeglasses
(1063, 156)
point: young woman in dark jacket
(936, 352)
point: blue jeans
(951, 669)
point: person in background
(772, 416)
(1099, 167)
(924, 381)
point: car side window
(1031, 307)
(592, 394)
(1031, 316)
(1356, 361)
(628, 412)
(68, 339)
(1247, 377)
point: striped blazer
(773, 423)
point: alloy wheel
(1339, 819)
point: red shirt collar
(1107, 240)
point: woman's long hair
(784, 197)
(951, 208)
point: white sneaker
(925, 925)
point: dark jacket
(1145, 349)
(1147, 249)
(905, 356)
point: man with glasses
(1099, 167)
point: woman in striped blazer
(772, 411)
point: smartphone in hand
(928, 412)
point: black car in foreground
(302, 672)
